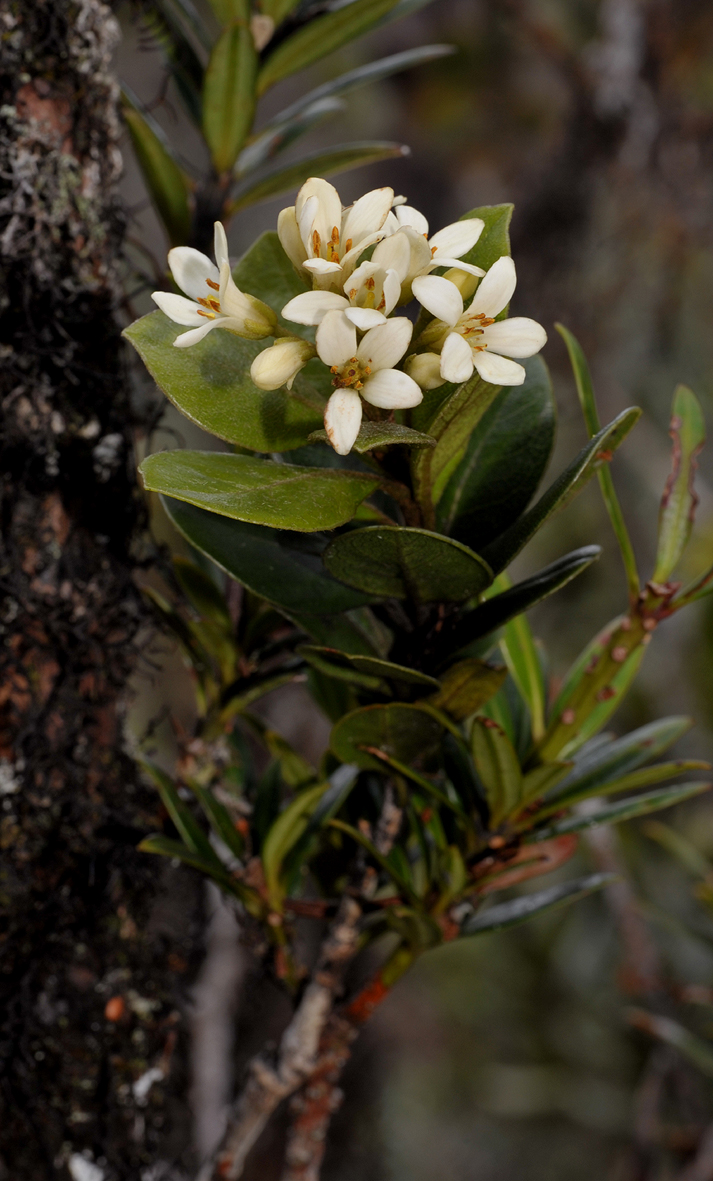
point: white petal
(366, 215)
(336, 339)
(232, 300)
(280, 364)
(311, 306)
(440, 297)
(392, 290)
(342, 420)
(349, 259)
(425, 369)
(390, 225)
(288, 232)
(186, 339)
(408, 216)
(457, 239)
(178, 308)
(440, 261)
(394, 253)
(220, 244)
(324, 215)
(365, 318)
(357, 279)
(392, 390)
(399, 201)
(497, 288)
(190, 269)
(456, 359)
(384, 346)
(499, 370)
(320, 266)
(518, 337)
(306, 219)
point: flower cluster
(352, 301)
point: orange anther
(114, 1008)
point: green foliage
(679, 499)
(519, 910)
(498, 768)
(165, 180)
(229, 93)
(405, 732)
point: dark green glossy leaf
(404, 732)
(495, 612)
(165, 180)
(373, 666)
(340, 158)
(375, 435)
(678, 506)
(467, 686)
(641, 805)
(505, 459)
(519, 910)
(258, 490)
(202, 592)
(348, 633)
(525, 667)
(229, 94)
(263, 560)
(599, 450)
(498, 768)
(343, 671)
(494, 241)
(210, 384)
(321, 36)
(403, 563)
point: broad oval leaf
(402, 563)
(210, 384)
(505, 459)
(376, 435)
(280, 495)
(688, 432)
(265, 561)
(403, 732)
(229, 94)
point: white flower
(472, 338)
(444, 249)
(371, 293)
(280, 364)
(366, 370)
(325, 241)
(215, 301)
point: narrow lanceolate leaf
(278, 9)
(165, 847)
(498, 768)
(467, 686)
(372, 666)
(340, 158)
(541, 780)
(644, 778)
(219, 819)
(210, 384)
(181, 815)
(523, 661)
(407, 563)
(257, 490)
(598, 451)
(229, 94)
(404, 732)
(373, 436)
(321, 36)
(228, 11)
(693, 1048)
(284, 833)
(277, 138)
(341, 784)
(498, 610)
(678, 506)
(361, 76)
(641, 805)
(519, 910)
(165, 181)
(585, 392)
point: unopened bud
(425, 369)
(280, 364)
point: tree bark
(93, 953)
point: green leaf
(561, 741)
(519, 910)
(466, 686)
(631, 782)
(504, 461)
(499, 609)
(361, 76)
(542, 779)
(494, 241)
(227, 11)
(693, 1048)
(202, 592)
(210, 384)
(276, 137)
(284, 833)
(219, 819)
(321, 36)
(525, 667)
(678, 505)
(266, 272)
(405, 563)
(229, 95)
(610, 760)
(165, 847)
(341, 785)
(498, 768)
(181, 815)
(373, 666)
(641, 805)
(404, 732)
(258, 490)
(386, 863)
(165, 181)
(278, 9)
(265, 561)
(599, 450)
(340, 158)
(587, 401)
(375, 435)
(343, 672)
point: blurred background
(511, 1058)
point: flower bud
(425, 369)
(280, 364)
